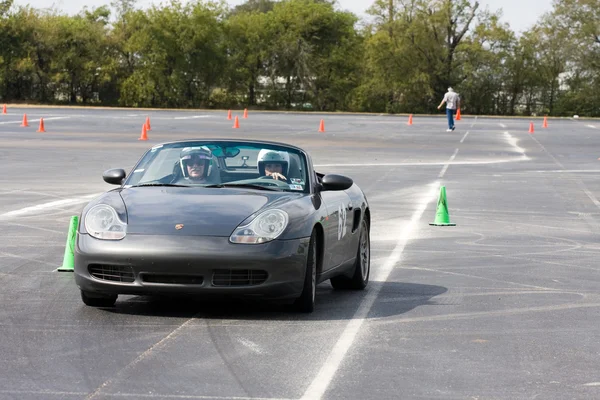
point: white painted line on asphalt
(45, 206)
(464, 137)
(441, 175)
(592, 197)
(407, 164)
(44, 393)
(33, 227)
(190, 397)
(513, 142)
(579, 182)
(474, 121)
(569, 170)
(591, 126)
(32, 120)
(194, 117)
(140, 358)
(251, 345)
(5, 254)
(490, 314)
(149, 353)
(502, 125)
(547, 152)
(321, 382)
(41, 393)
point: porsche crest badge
(178, 226)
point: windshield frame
(150, 154)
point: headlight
(102, 222)
(264, 228)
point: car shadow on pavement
(393, 298)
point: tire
(96, 300)
(362, 265)
(306, 302)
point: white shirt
(451, 99)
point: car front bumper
(155, 264)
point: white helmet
(266, 156)
(202, 153)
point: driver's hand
(278, 176)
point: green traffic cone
(68, 260)
(442, 218)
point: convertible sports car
(223, 217)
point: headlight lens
(102, 222)
(264, 228)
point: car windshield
(222, 164)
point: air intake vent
(238, 277)
(173, 279)
(114, 273)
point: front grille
(238, 277)
(173, 279)
(115, 273)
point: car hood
(201, 211)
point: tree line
(303, 55)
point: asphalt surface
(504, 305)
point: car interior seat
(215, 172)
(294, 170)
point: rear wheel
(306, 301)
(98, 300)
(362, 265)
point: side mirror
(336, 182)
(114, 176)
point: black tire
(306, 302)
(362, 265)
(97, 300)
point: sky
(519, 14)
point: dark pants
(450, 114)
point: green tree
(578, 23)
(180, 55)
(309, 39)
(248, 46)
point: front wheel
(306, 302)
(362, 265)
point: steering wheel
(269, 181)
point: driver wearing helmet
(195, 163)
(273, 164)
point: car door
(337, 228)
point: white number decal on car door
(341, 221)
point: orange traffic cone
(245, 113)
(4, 109)
(24, 123)
(410, 119)
(229, 115)
(531, 127)
(41, 128)
(545, 123)
(148, 124)
(236, 124)
(322, 126)
(144, 135)
(458, 114)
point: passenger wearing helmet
(195, 163)
(273, 164)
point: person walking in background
(452, 100)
